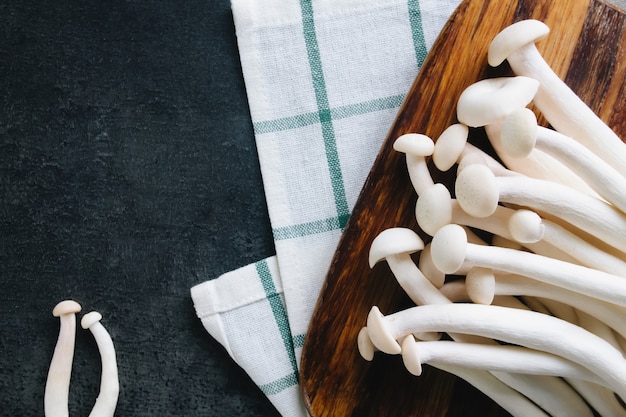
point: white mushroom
(577, 249)
(488, 102)
(450, 146)
(106, 401)
(597, 327)
(507, 397)
(520, 134)
(416, 147)
(395, 245)
(436, 208)
(450, 250)
(563, 109)
(58, 383)
(504, 358)
(482, 287)
(492, 99)
(525, 328)
(479, 191)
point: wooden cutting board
(586, 47)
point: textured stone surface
(128, 173)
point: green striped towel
(325, 79)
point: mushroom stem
(563, 109)
(570, 243)
(109, 384)
(450, 249)
(416, 147)
(602, 399)
(509, 284)
(435, 208)
(503, 358)
(58, 383)
(395, 245)
(502, 394)
(525, 328)
(597, 327)
(479, 191)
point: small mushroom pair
(58, 382)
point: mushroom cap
(411, 356)
(492, 99)
(414, 144)
(480, 284)
(394, 241)
(477, 191)
(428, 268)
(519, 133)
(449, 146)
(90, 319)
(379, 334)
(526, 226)
(66, 307)
(514, 37)
(365, 345)
(448, 248)
(434, 208)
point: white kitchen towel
(325, 79)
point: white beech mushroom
(520, 134)
(524, 328)
(450, 145)
(511, 399)
(450, 250)
(493, 99)
(563, 109)
(436, 208)
(508, 398)
(109, 383)
(473, 155)
(58, 383)
(395, 245)
(488, 102)
(579, 250)
(505, 358)
(597, 327)
(478, 191)
(482, 287)
(416, 147)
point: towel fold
(324, 79)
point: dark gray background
(129, 174)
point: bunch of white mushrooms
(536, 316)
(58, 383)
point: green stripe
(311, 228)
(278, 309)
(323, 108)
(419, 43)
(279, 385)
(286, 123)
(343, 112)
(298, 341)
(371, 106)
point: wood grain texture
(586, 48)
